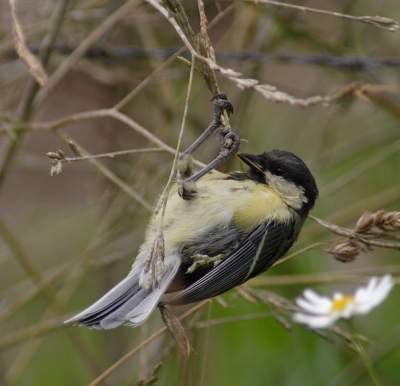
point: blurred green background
(66, 240)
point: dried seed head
(160, 246)
(60, 153)
(74, 148)
(148, 284)
(149, 256)
(159, 204)
(346, 250)
(56, 169)
(53, 155)
(159, 271)
(378, 223)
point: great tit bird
(230, 228)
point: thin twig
(34, 65)
(45, 50)
(112, 177)
(91, 39)
(300, 251)
(112, 154)
(378, 21)
(233, 319)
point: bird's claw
(229, 141)
(221, 104)
(202, 260)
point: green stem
(364, 356)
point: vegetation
(102, 88)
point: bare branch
(34, 65)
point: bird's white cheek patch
(289, 192)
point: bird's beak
(253, 161)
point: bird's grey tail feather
(125, 303)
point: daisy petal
(322, 312)
(315, 321)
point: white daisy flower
(322, 312)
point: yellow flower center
(341, 304)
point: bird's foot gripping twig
(229, 142)
(202, 260)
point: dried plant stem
(93, 114)
(378, 21)
(46, 47)
(91, 39)
(113, 178)
(182, 130)
(34, 65)
(112, 154)
(207, 346)
(117, 364)
(269, 92)
(363, 355)
(10, 145)
(352, 234)
(46, 290)
(305, 249)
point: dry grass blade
(177, 331)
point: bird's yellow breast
(260, 203)
(220, 202)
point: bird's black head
(286, 173)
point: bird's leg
(202, 260)
(229, 141)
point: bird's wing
(256, 253)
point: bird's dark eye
(279, 172)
